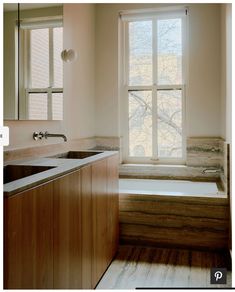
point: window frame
(124, 88)
(26, 88)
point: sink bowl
(14, 172)
(76, 154)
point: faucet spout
(46, 135)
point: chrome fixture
(40, 135)
(46, 135)
(37, 135)
(211, 170)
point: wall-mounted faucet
(46, 135)
(40, 135)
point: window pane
(169, 119)
(140, 53)
(39, 54)
(58, 64)
(57, 106)
(140, 123)
(37, 106)
(169, 39)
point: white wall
(79, 77)
(203, 91)
(223, 71)
(91, 105)
(229, 73)
(79, 84)
(226, 72)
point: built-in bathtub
(179, 213)
(170, 187)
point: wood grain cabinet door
(113, 202)
(86, 194)
(99, 216)
(63, 234)
(28, 239)
(67, 232)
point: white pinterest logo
(218, 275)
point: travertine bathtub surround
(173, 221)
(223, 166)
(204, 151)
(225, 175)
(165, 171)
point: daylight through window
(154, 51)
(43, 69)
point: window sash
(154, 158)
(154, 88)
(28, 89)
(151, 13)
(49, 91)
(154, 52)
(41, 23)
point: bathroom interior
(117, 172)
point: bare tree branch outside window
(169, 102)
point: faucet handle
(37, 135)
(46, 134)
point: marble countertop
(61, 166)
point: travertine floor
(136, 267)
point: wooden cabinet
(63, 234)
(67, 231)
(112, 206)
(28, 239)
(105, 214)
(73, 230)
(100, 217)
(86, 195)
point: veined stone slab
(204, 151)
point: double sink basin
(15, 172)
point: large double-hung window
(154, 86)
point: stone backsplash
(204, 152)
(51, 149)
(108, 143)
(201, 153)
(209, 152)
(165, 172)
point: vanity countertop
(61, 166)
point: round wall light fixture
(68, 55)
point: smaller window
(42, 84)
